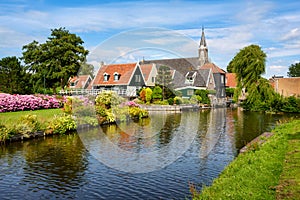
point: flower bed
(9, 103)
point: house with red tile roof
(125, 79)
(80, 82)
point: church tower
(202, 50)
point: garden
(28, 116)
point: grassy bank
(15, 126)
(263, 172)
(43, 115)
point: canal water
(154, 158)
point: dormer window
(105, 77)
(116, 76)
(190, 77)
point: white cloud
(277, 67)
(292, 34)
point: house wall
(188, 92)
(211, 84)
(220, 85)
(287, 86)
(153, 74)
(134, 82)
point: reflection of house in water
(216, 128)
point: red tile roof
(146, 70)
(231, 80)
(81, 80)
(124, 70)
(215, 68)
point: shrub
(17, 102)
(5, 133)
(204, 96)
(178, 100)
(171, 101)
(136, 112)
(61, 125)
(157, 93)
(68, 105)
(195, 99)
(148, 95)
(143, 94)
(108, 99)
(291, 104)
(26, 125)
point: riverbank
(22, 125)
(268, 171)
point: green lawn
(268, 172)
(43, 115)
(289, 184)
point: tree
(294, 70)
(86, 69)
(146, 95)
(204, 96)
(164, 79)
(13, 76)
(260, 96)
(157, 93)
(249, 65)
(53, 62)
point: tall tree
(249, 65)
(13, 76)
(294, 70)
(164, 79)
(53, 62)
(86, 69)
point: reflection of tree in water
(172, 122)
(56, 164)
(251, 124)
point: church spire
(202, 50)
(203, 41)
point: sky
(129, 31)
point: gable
(137, 78)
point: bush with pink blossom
(16, 102)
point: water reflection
(144, 146)
(47, 167)
(215, 127)
(174, 149)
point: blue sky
(116, 31)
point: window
(222, 79)
(116, 76)
(137, 78)
(153, 79)
(72, 84)
(190, 92)
(106, 77)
